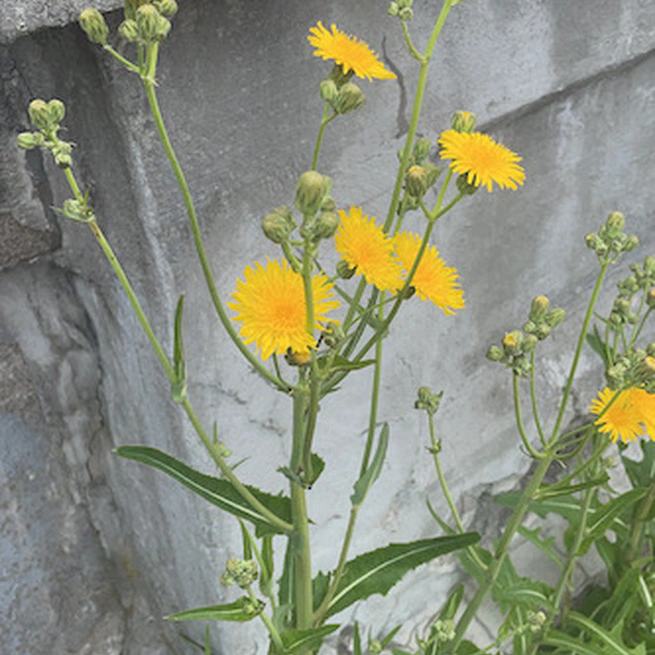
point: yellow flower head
(366, 248)
(433, 280)
(481, 159)
(271, 308)
(631, 414)
(348, 52)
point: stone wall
(93, 549)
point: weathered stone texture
(567, 87)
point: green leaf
(452, 604)
(178, 387)
(555, 490)
(545, 545)
(340, 363)
(598, 345)
(363, 485)
(570, 644)
(603, 519)
(611, 640)
(294, 640)
(318, 464)
(357, 641)
(320, 586)
(642, 472)
(239, 610)
(376, 572)
(215, 490)
(386, 640)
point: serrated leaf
(294, 640)
(570, 644)
(365, 482)
(598, 345)
(611, 640)
(340, 363)
(318, 464)
(217, 491)
(545, 545)
(376, 572)
(235, 611)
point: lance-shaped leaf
(376, 572)
(240, 610)
(295, 640)
(372, 473)
(178, 387)
(217, 491)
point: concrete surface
(94, 550)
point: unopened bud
(167, 8)
(592, 240)
(39, 114)
(416, 181)
(94, 25)
(393, 9)
(464, 121)
(344, 270)
(276, 228)
(29, 140)
(326, 225)
(152, 25)
(297, 358)
(328, 204)
(631, 242)
(333, 334)
(531, 340)
(57, 111)
(542, 331)
(555, 317)
(428, 400)
(405, 4)
(650, 298)
(131, 6)
(512, 342)
(328, 91)
(465, 187)
(349, 98)
(539, 309)
(432, 172)
(495, 354)
(129, 30)
(649, 266)
(648, 367)
(615, 224)
(311, 188)
(421, 149)
(406, 14)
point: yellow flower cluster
(385, 261)
(628, 416)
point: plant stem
(578, 351)
(300, 544)
(519, 419)
(126, 62)
(533, 402)
(638, 523)
(325, 121)
(501, 552)
(149, 84)
(272, 630)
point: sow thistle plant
(304, 328)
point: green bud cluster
(610, 240)
(147, 22)
(375, 647)
(333, 335)
(343, 97)
(516, 348)
(428, 400)
(635, 368)
(242, 572)
(644, 273)
(78, 211)
(421, 173)
(401, 9)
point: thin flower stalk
(519, 419)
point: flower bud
(94, 25)
(512, 342)
(311, 188)
(329, 91)
(242, 571)
(650, 298)
(406, 14)
(328, 204)
(344, 270)
(465, 187)
(393, 9)
(56, 111)
(149, 21)
(29, 140)
(464, 121)
(297, 358)
(649, 266)
(542, 331)
(333, 334)
(428, 400)
(555, 317)
(631, 242)
(592, 241)
(432, 171)
(416, 181)
(167, 8)
(326, 225)
(495, 354)
(405, 4)
(421, 149)
(131, 6)
(129, 30)
(39, 114)
(539, 309)
(650, 349)
(349, 98)
(615, 224)
(648, 368)
(276, 228)
(531, 340)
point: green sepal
(217, 491)
(238, 611)
(371, 474)
(379, 570)
(294, 640)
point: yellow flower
(433, 280)
(481, 159)
(631, 414)
(366, 248)
(348, 52)
(271, 307)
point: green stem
(519, 419)
(410, 45)
(639, 522)
(300, 544)
(501, 552)
(272, 630)
(325, 121)
(149, 84)
(126, 62)
(578, 351)
(533, 402)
